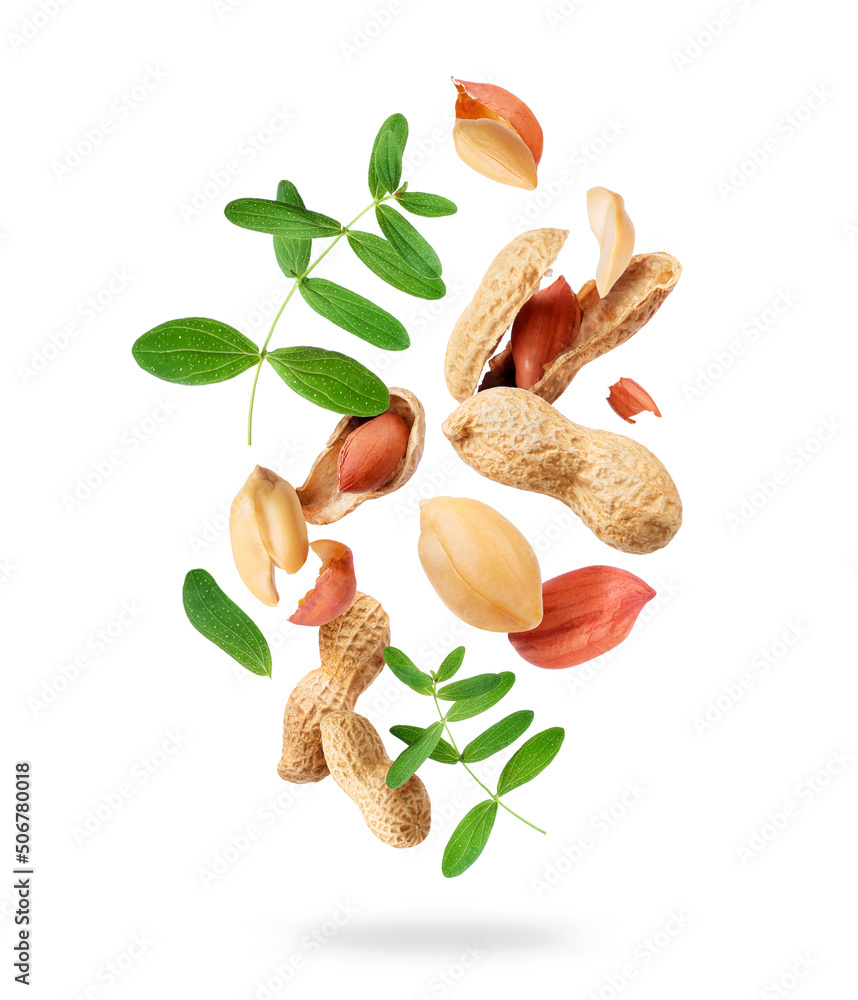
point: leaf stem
(252, 397)
(291, 292)
(497, 798)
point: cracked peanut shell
(320, 500)
(513, 276)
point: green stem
(295, 284)
(252, 397)
(497, 798)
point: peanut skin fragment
(358, 762)
(618, 488)
(350, 648)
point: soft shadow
(431, 936)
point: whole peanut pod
(587, 612)
(359, 764)
(618, 488)
(350, 648)
(480, 564)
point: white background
(629, 100)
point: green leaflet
(412, 757)
(475, 706)
(469, 838)
(443, 752)
(531, 758)
(388, 162)
(407, 242)
(354, 313)
(331, 380)
(497, 737)
(471, 687)
(407, 671)
(194, 351)
(293, 256)
(380, 257)
(398, 127)
(451, 664)
(279, 219)
(430, 205)
(223, 622)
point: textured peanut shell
(606, 323)
(618, 488)
(513, 276)
(359, 764)
(321, 502)
(350, 648)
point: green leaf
(412, 757)
(430, 205)
(398, 126)
(407, 242)
(476, 706)
(293, 256)
(471, 687)
(223, 622)
(407, 671)
(443, 752)
(531, 758)
(380, 257)
(469, 838)
(452, 662)
(498, 736)
(280, 219)
(388, 162)
(194, 351)
(331, 380)
(354, 313)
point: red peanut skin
(585, 613)
(334, 591)
(381, 443)
(546, 325)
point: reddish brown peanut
(371, 453)
(480, 564)
(359, 764)
(320, 499)
(618, 488)
(546, 325)
(350, 648)
(586, 613)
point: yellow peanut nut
(359, 764)
(350, 648)
(267, 529)
(480, 565)
(618, 488)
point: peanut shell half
(606, 323)
(513, 276)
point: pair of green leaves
(199, 351)
(223, 622)
(469, 697)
